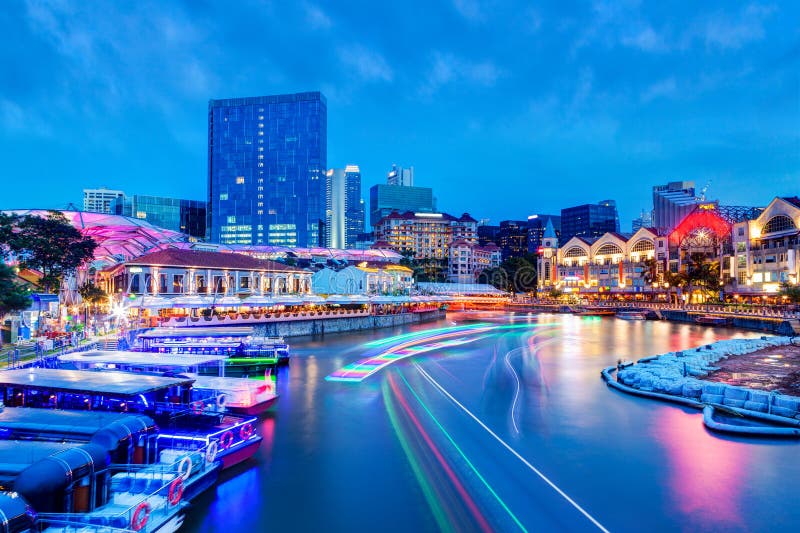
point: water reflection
(394, 453)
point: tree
(13, 296)
(50, 245)
(7, 223)
(702, 274)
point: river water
(507, 427)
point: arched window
(778, 223)
(575, 251)
(643, 245)
(609, 249)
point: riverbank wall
(775, 326)
(321, 326)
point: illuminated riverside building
(425, 235)
(364, 279)
(756, 250)
(611, 264)
(175, 273)
(267, 158)
(766, 250)
(467, 260)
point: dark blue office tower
(267, 158)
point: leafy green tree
(13, 296)
(50, 245)
(702, 274)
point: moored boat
(711, 320)
(165, 399)
(631, 315)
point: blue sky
(504, 108)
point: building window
(231, 220)
(223, 196)
(177, 283)
(239, 180)
(778, 223)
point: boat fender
(197, 407)
(185, 467)
(175, 491)
(246, 431)
(140, 516)
(221, 400)
(211, 452)
(226, 441)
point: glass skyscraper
(267, 157)
(345, 208)
(186, 216)
(589, 220)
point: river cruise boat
(210, 392)
(167, 400)
(247, 354)
(594, 311)
(131, 441)
(67, 486)
(631, 315)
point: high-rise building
(267, 158)
(671, 203)
(383, 199)
(589, 220)
(512, 238)
(185, 216)
(644, 220)
(536, 228)
(403, 177)
(344, 207)
(99, 200)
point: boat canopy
(159, 333)
(141, 359)
(77, 381)
(68, 423)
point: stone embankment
(321, 326)
(675, 377)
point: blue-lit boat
(247, 354)
(184, 425)
(215, 393)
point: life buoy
(197, 407)
(221, 400)
(185, 467)
(226, 441)
(211, 452)
(140, 516)
(175, 491)
(246, 431)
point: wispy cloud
(368, 64)
(469, 9)
(447, 68)
(663, 88)
(18, 121)
(724, 31)
(316, 17)
(646, 39)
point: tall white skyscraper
(400, 176)
(100, 200)
(344, 207)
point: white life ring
(211, 452)
(221, 401)
(185, 471)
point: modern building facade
(644, 220)
(424, 235)
(537, 224)
(99, 200)
(512, 238)
(404, 177)
(589, 221)
(185, 216)
(344, 210)
(384, 199)
(267, 159)
(671, 203)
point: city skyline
(609, 100)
